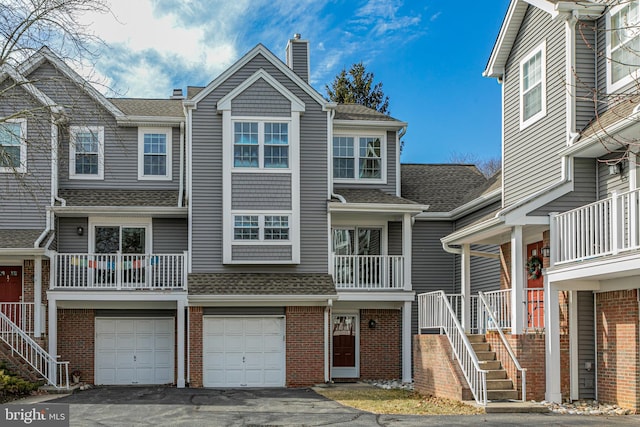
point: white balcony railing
(605, 227)
(367, 272)
(120, 271)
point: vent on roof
(177, 94)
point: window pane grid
(246, 227)
(245, 140)
(10, 145)
(343, 157)
(87, 145)
(276, 151)
(370, 164)
(532, 86)
(155, 154)
(276, 227)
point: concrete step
(511, 407)
(486, 355)
(497, 374)
(504, 384)
(481, 346)
(490, 365)
(476, 338)
(502, 394)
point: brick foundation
(305, 346)
(76, 341)
(381, 347)
(195, 347)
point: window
(13, 146)
(260, 145)
(624, 44)
(154, 153)
(125, 240)
(86, 152)
(533, 87)
(367, 155)
(261, 227)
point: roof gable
(21, 81)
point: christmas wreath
(534, 267)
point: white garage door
(243, 352)
(134, 351)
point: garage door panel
(233, 327)
(234, 343)
(272, 343)
(163, 341)
(272, 326)
(106, 326)
(125, 341)
(106, 341)
(144, 341)
(145, 326)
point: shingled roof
(443, 187)
(159, 198)
(365, 195)
(19, 239)
(149, 107)
(360, 112)
(261, 284)
(616, 113)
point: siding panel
(68, 239)
(170, 235)
(261, 99)
(261, 191)
(265, 253)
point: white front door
(243, 352)
(134, 351)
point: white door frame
(344, 372)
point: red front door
(344, 342)
(11, 292)
(535, 299)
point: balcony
(606, 227)
(120, 271)
(368, 272)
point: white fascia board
(466, 235)
(153, 211)
(22, 251)
(596, 138)
(376, 296)
(247, 299)
(22, 82)
(296, 104)
(515, 214)
(260, 49)
(544, 5)
(460, 211)
(506, 38)
(585, 10)
(95, 295)
(385, 124)
(142, 121)
(376, 207)
(607, 268)
(45, 53)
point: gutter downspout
(49, 223)
(570, 61)
(181, 189)
(401, 133)
(458, 251)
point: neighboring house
(250, 233)
(569, 200)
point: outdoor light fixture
(80, 231)
(545, 251)
(615, 169)
(372, 324)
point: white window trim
(158, 130)
(261, 145)
(634, 75)
(543, 80)
(23, 148)
(261, 240)
(99, 130)
(145, 223)
(349, 225)
(356, 135)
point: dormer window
(358, 157)
(624, 44)
(533, 91)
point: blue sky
(428, 54)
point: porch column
(180, 313)
(406, 250)
(406, 342)
(37, 295)
(53, 339)
(552, 342)
(465, 286)
(517, 280)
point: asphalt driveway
(166, 406)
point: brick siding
(195, 347)
(76, 340)
(305, 346)
(380, 347)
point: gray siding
(585, 79)
(263, 253)
(394, 234)
(261, 99)
(300, 59)
(206, 199)
(485, 272)
(261, 191)
(586, 346)
(477, 215)
(539, 143)
(120, 143)
(609, 183)
(170, 235)
(68, 240)
(584, 189)
(24, 197)
(601, 65)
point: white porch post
(180, 313)
(53, 339)
(552, 346)
(406, 250)
(465, 286)
(517, 280)
(406, 342)
(37, 295)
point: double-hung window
(533, 87)
(260, 144)
(263, 228)
(357, 158)
(86, 152)
(13, 146)
(154, 153)
(624, 44)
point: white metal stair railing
(435, 311)
(493, 319)
(56, 373)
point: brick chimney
(298, 56)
